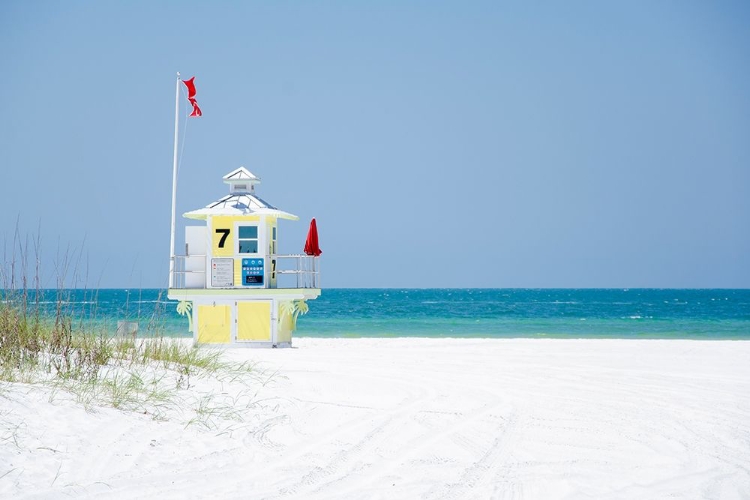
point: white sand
(415, 418)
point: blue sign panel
(252, 272)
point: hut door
(254, 321)
(214, 323)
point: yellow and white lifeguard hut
(233, 286)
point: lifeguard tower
(232, 285)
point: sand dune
(413, 418)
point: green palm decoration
(286, 309)
(300, 307)
(184, 308)
(293, 309)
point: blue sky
(438, 144)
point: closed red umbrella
(311, 243)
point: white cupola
(241, 181)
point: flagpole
(174, 181)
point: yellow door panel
(254, 320)
(214, 324)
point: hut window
(248, 239)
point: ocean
(475, 312)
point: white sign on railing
(222, 273)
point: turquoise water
(493, 313)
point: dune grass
(97, 367)
(74, 355)
(32, 345)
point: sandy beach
(410, 418)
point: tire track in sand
(477, 472)
(351, 457)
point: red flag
(190, 84)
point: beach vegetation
(74, 356)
